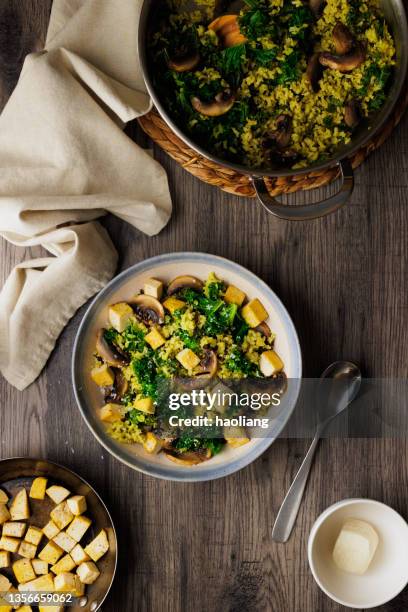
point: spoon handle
(290, 507)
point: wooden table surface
(208, 546)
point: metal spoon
(339, 396)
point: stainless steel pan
(395, 15)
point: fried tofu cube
(62, 515)
(88, 572)
(66, 564)
(5, 584)
(15, 530)
(3, 497)
(51, 530)
(79, 555)
(20, 509)
(172, 304)
(33, 535)
(65, 541)
(236, 436)
(4, 559)
(49, 609)
(57, 493)
(98, 547)
(233, 295)
(51, 553)
(270, 363)
(144, 404)
(69, 583)
(43, 584)
(188, 359)
(10, 544)
(27, 550)
(23, 571)
(154, 288)
(6, 608)
(151, 444)
(254, 313)
(78, 528)
(38, 488)
(40, 567)
(119, 316)
(77, 504)
(4, 514)
(155, 339)
(103, 375)
(111, 413)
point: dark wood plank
(208, 546)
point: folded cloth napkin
(64, 162)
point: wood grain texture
(208, 546)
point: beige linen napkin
(64, 161)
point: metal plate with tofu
(35, 553)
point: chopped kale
(188, 341)
(145, 371)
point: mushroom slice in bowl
(110, 353)
(148, 309)
(189, 457)
(184, 282)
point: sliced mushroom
(314, 71)
(344, 63)
(222, 103)
(343, 39)
(189, 458)
(208, 365)
(185, 62)
(184, 282)
(283, 133)
(110, 353)
(264, 329)
(148, 309)
(316, 7)
(352, 114)
(118, 389)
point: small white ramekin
(387, 575)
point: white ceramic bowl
(387, 575)
(166, 267)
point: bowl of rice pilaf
(187, 367)
(275, 87)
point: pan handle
(307, 212)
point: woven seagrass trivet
(239, 184)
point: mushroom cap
(343, 39)
(189, 458)
(184, 63)
(352, 114)
(119, 388)
(314, 71)
(316, 6)
(264, 329)
(222, 103)
(148, 309)
(184, 282)
(208, 365)
(110, 353)
(344, 63)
